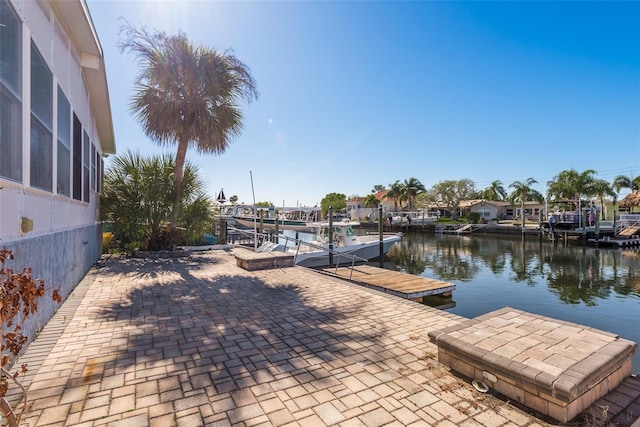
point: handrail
(267, 237)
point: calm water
(599, 288)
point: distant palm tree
(571, 183)
(522, 192)
(623, 181)
(394, 193)
(495, 191)
(601, 188)
(371, 201)
(186, 95)
(410, 189)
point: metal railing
(264, 238)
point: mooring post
(261, 221)
(275, 222)
(381, 234)
(540, 223)
(330, 236)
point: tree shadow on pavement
(218, 334)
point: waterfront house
(501, 210)
(357, 211)
(56, 128)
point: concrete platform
(555, 367)
(252, 261)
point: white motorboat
(412, 218)
(346, 245)
(297, 218)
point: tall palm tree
(623, 181)
(495, 191)
(410, 189)
(371, 201)
(186, 94)
(601, 188)
(394, 193)
(522, 192)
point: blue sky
(359, 93)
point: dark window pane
(77, 158)
(10, 136)
(10, 46)
(64, 170)
(41, 88)
(64, 143)
(41, 155)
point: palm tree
(522, 192)
(495, 191)
(138, 197)
(186, 94)
(394, 193)
(623, 181)
(410, 189)
(571, 183)
(601, 188)
(371, 201)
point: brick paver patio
(198, 341)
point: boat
(315, 252)
(412, 218)
(299, 219)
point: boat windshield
(344, 231)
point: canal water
(595, 287)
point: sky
(355, 94)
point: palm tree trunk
(177, 179)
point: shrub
(166, 238)
(473, 217)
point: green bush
(473, 217)
(166, 238)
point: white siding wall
(48, 211)
(66, 237)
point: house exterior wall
(504, 210)
(58, 236)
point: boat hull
(369, 250)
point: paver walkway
(199, 341)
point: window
(10, 90)
(64, 145)
(93, 167)
(85, 167)
(41, 122)
(100, 174)
(77, 158)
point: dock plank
(393, 282)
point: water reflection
(573, 273)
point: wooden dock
(393, 282)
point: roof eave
(75, 18)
